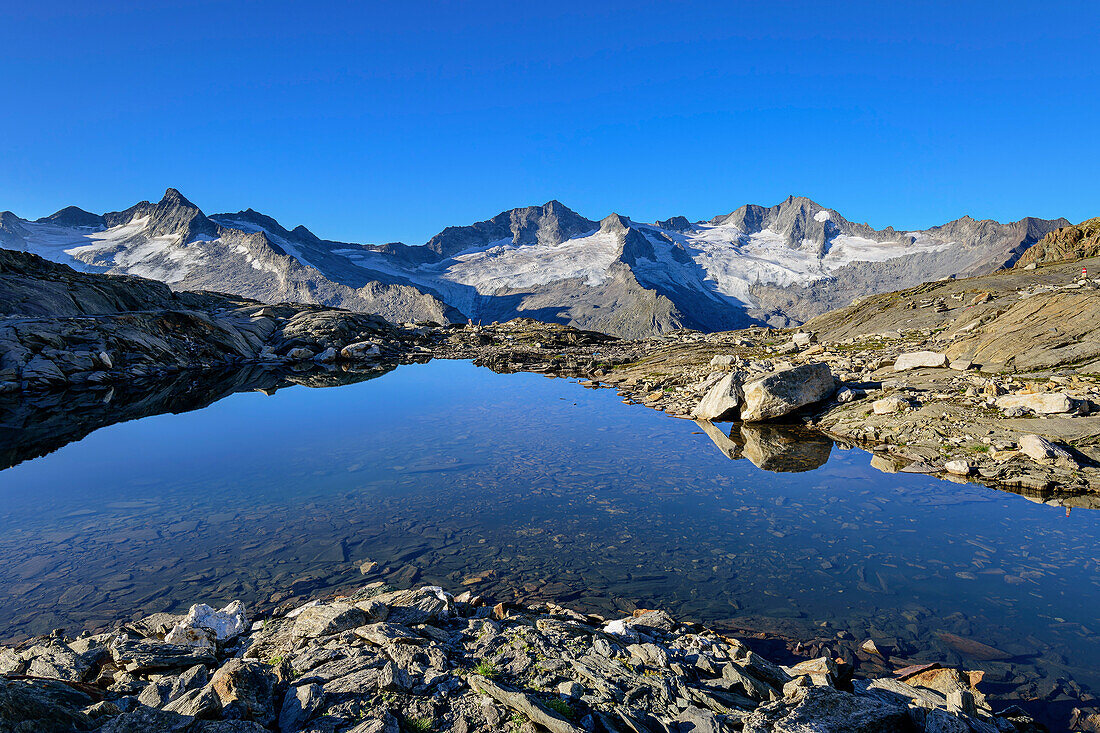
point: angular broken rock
(147, 655)
(918, 359)
(299, 353)
(415, 606)
(959, 468)
(359, 351)
(888, 405)
(1044, 403)
(1041, 450)
(802, 338)
(723, 400)
(828, 709)
(524, 703)
(323, 620)
(226, 624)
(246, 689)
(328, 356)
(784, 392)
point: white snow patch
(822, 215)
(291, 248)
(504, 265)
(122, 248)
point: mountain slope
(1073, 242)
(778, 265)
(174, 242)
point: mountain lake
(522, 488)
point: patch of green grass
(420, 725)
(276, 660)
(485, 668)
(518, 719)
(561, 707)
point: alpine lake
(522, 488)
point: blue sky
(388, 121)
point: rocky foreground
(418, 660)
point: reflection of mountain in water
(784, 448)
(34, 425)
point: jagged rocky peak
(615, 223)
(1069, 242)
(635, 245)
(797, 219)
(73, 216)
(552, 223)
(172, 215)
(675, 224)
(252, 216)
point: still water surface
(523, 486)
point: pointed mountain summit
(173, 214)
(552, 223)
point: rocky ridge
(384, 661)
(62, 328)
(778, 265)
(1074, 242)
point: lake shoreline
(374, 659)
(906, 377)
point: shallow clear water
(523, 486)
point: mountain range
(778, 265)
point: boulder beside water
(781, 393)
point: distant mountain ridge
(779, 265)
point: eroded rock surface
(446, 663)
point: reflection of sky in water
(449, 473)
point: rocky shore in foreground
(379, 660)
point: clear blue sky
(388, 121)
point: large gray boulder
(723, 401)
(784, 392)
(1041, 450)
(323, 620)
